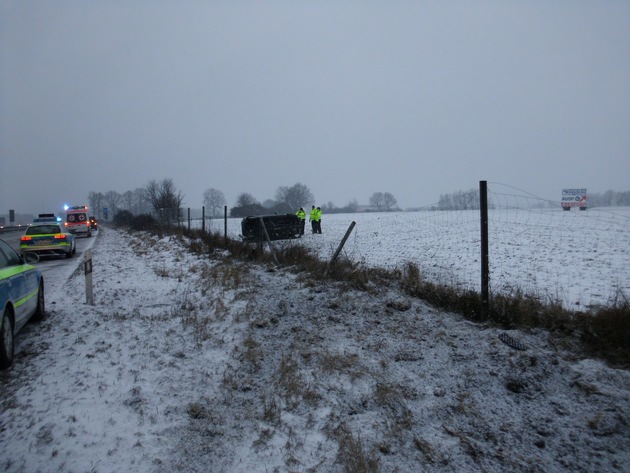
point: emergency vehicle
(77, 221)
(47, 218)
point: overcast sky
(416, 98)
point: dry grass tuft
(352, 454)
(289, 381)
(346, 364)
(272, 411)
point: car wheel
(6, 341)
(69, 254)
(40, 312)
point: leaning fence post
(485, 261)
(343, 242)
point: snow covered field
(579, 258)
(191, 364)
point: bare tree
(113, 200)
(126, 201)
(165, 198)
(383, 201)
(213, 199)
(96, 201)
(377, 200)
(141, 203)
(246, 205)
(245, 199)
(295, 197)
(389, 202)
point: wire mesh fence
(576, 258)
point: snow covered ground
(192, 364)
(578, 258)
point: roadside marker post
(87, 265)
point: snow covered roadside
(195, 364)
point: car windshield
(43, 230)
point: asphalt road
(55, 269)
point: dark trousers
(317, 227)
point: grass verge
(603, 332)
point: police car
(47, 218)
(48, 239)
(21, 297)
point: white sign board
(573, 198)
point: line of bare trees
(287, 200)
(161, 197)
(157, 196)
(383, 202)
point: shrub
(123, 218)
(144, 222)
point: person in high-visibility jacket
(301, 214)
(318, 220)
(313, 219)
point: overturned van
(279, 227)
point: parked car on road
(47, 218)
(21, 297)
(48, 239)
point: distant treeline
(469, 200)
(609, 199)
(459, 200)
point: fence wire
(579, 258)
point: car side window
(3, 260)
(8, 256)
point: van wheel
(6, 341)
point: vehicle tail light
(60, 236)
(26, 238)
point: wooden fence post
(340, 247)
(485, 260)
(225, 223)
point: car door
(13, 276)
